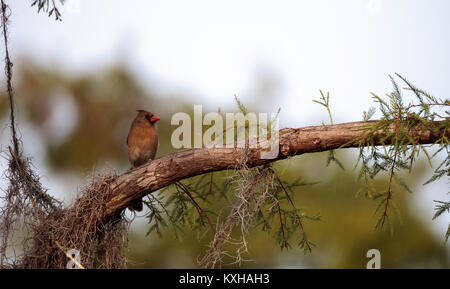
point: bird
(142, 142)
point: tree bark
(192, 162)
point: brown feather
(142, 143)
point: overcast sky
(213, 50)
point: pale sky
(213, 50)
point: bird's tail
(136, 205)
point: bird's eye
(148, 117)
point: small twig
(201, 212)
(8, 72)
(428, 104)
(281, 219)
(266, 224)
(292, 204)
(211, 184)
(389, 193)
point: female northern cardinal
(142, 143)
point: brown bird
(142, 144)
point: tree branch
(180, 165)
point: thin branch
(389, 192)
(201, 212)
(8, 72)
(300, 224)
(281, 221)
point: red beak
(154, 118)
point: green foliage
(442, 207)
(48, 7)
(367, 115)
(276, 214)
(155, 217)
(442, 169)
(394, 127)
(244, 110)
(332, 158)
(173, 206)
(240, 105)
(289, 217)
(325, 102)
